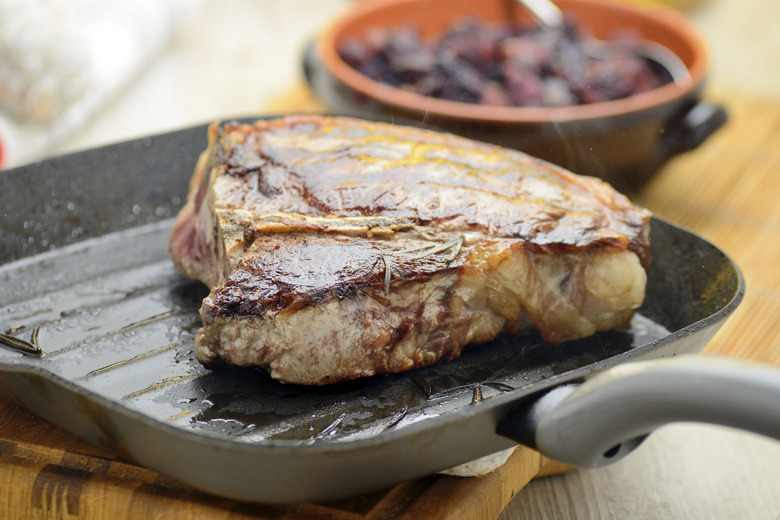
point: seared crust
(418, 242)
(347, 168)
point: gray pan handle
(604, 418)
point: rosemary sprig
(26, 347)
(330, 429)
(391, 421)
(477, 395)
(451, 247)
(388, 273)
(35, 343)
(454, 246)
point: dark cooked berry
(501, 64)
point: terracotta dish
(623, 141)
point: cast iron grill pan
(83, 260)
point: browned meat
(340, 248)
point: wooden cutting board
(728, 191)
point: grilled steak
(340, 248)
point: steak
(337, 248)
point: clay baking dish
(624, 141)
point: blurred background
(76, 74)
(79, 73)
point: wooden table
(728, 191)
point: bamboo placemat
(727, 191)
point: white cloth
(60, 60)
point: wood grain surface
(727, 191)
(47, 472)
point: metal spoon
(550, 18)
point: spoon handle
(545, 13)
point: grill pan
(83, 267)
